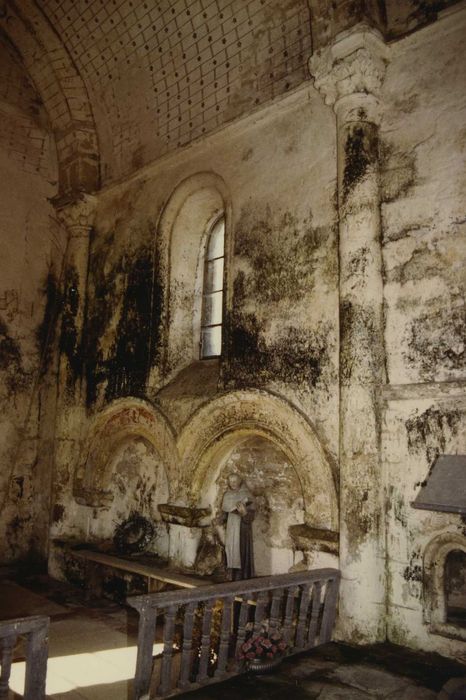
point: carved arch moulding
(63, 92)
(258, 413)
(123, 420)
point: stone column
(78, 218)
(70, 421)
(349, 73)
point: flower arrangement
(268, 645)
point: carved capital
(349, 73)
(77, 215)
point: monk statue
(238, 512)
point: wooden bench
(157, 577)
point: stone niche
(138, 484)
(278, 493)
(445, 585)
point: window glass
(211, 341)
(213, 281)
(216, 245)
(212, 312)
(212, 293)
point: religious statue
(238, 512)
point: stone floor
(93, 652)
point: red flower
(267, 643)
(269, 655)
(250, 655)
(274, 648)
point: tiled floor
(93, 654)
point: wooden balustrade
(35, 630)
(202, 629)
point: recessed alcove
(455, 587)
(444, 585)
(278, 495)
(138, 483)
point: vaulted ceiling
(126, 81)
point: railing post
(187, 645)
(302, 618)
(146, 636)
(287, 624)
(277, 595)
(36, 663)
(315, 609)
(259, 613)
(224, 638)
(7, 644)
(168, 634)
(205, 642)
(330, 610)
(242, 620)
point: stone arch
(193, 205)
(62, 91)
(435, 555)
(122, 420)
(260, 413)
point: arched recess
(62, 91)
(435, 555)
(122, 420)
(259, 413)
(184, 223)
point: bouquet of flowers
(267, 646)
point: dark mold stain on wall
(437, 341)
(361, 519)
(69, 342)
(46, 330)
(361, 151)
(429, 431)
(360, 339)
(278, 256)
(296, 356)
(131, 287)
(413, 572)
(283, 253)
(11, 362)
(398, 172)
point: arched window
(212, 292)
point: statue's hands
(241, 508)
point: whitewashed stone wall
(424, 248)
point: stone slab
(372, 681)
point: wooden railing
(35, 630)
(202, 630)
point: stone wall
(30, 262)
(280, 334)
(424, 249)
